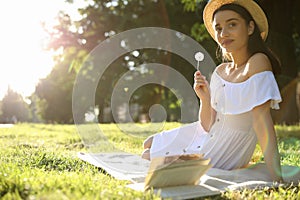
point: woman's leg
(146, 154)
(147, 145)
(176, 141)
(148, 142)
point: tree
(14, 109)
(101, 20)
(284, 40)
(55, 94)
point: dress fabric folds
(231, 141)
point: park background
(39, 153)
(71, 40)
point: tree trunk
(280, 15)
(280, 39)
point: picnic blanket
(127, 166)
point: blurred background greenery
(72, 40)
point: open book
(176, 170)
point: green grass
(39, 161)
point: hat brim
(253, 8)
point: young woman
(235, 107)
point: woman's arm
(265, 132)
(206, 112)
(206, 115)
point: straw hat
(253, 8)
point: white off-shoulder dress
(231, 141)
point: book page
(176, 171)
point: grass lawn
(38, 161)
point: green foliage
(290, 150)
(100, 21)
(291, 131)
(190, 5)
(39, 162)
(199, 32)
(267, 193)
(54, 93)
(13, 108)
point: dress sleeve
(266, 89)
(242, 97)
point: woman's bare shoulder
(259, 62)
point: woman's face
(231, 31)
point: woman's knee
(148, 142)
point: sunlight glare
(23, 60)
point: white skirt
(186, 139)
